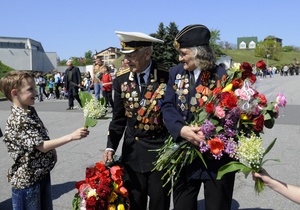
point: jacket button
(136, 138)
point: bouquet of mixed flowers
(102, 189)
(93, 109)
(229, 109)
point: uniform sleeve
(172, 118)
(118, 123)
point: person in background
(197, 67)
(57, 83)
(97, 75)
(87, 81)
(113, 71)
(291, 192)
(41, 83)
(107, 81)
(28, 143)
(72, 83)
(139, 120)
(50, 87)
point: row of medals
(149, 119)
(181, 88)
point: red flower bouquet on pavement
(102, 189)
(229, 111)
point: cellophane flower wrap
(102, 189)
(230, 109)
(93, 109)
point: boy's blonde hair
(13, 80)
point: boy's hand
(80, 133)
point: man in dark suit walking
(179, 107)
(72, 83)
(138, 94)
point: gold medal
(131, 106)
(146, 127)
(197, 95)
(152, 127)
(136, 105)
(127, 95)
(139, 117)
(193, 109)
(141, 126)
(122, 95)
(162, 92)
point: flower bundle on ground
(228, 107)
(102, 189)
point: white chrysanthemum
(94, 109)
(250, 150)
(91, 193)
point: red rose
(258, 123)
(261, 64)
(237, 83)
(100, 166)
(262, 100)
(89, 172)
(209, 108)
(91, 202)
(252, 78)
(78, 184)
(246, 66)
(217, 90)
(228, 100)
(103, 191)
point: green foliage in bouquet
(93, 109)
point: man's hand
(108, 156)
(192, 134)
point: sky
(71, 28)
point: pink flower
(220, 113)
(281, 99)
(242, 94)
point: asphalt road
(74, 157)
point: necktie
(192, 81)
(142, 82)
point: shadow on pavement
(60, 189)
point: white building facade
(26, 54)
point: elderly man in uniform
(138, 94)
(179, 106)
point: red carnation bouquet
(102, 189)
(229, 111)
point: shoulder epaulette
(123, 71)
(162, 67)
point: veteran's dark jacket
(75, 80)
(139, 117)
(176, 117)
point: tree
(88, 57)
(165, 53)
(268, 49)
(214, 38)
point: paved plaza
(74, 157)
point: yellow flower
(227, 88)
(121, 207)
(111, 207)
(243, 117)
(113, 196)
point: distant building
(278, 40)
(108, 55)
(247, 43)
(26, 54)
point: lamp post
(268, 55)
